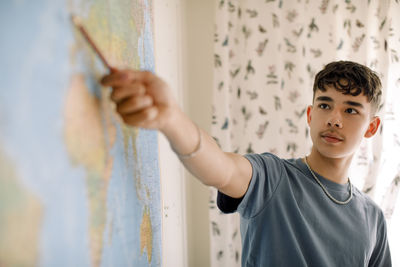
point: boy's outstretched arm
(144, 100)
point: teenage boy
(296, 212)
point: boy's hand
(142, 99)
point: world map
(77, 186)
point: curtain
(266, 56)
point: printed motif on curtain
(266, 56)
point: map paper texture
(77, 186)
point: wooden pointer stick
(78, 24)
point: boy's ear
(309, 108)
(373, 127)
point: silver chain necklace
(326, 191)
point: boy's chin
(330, 153)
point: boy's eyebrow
(324, 98)
(329, 99)
(354, 104)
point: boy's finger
(140, 119)
(124, 77)
(117, 78)
(120, 93)
(114, 79)
(134, 104)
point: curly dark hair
(350, 78)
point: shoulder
(373, 211)
(272, 165)
(366, 200)
(268, 170)
(269, 159)
(266, 156)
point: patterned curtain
(266, 56)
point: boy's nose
(335, 122)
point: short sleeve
(266, 176)
(227, 204)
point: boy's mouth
(331, 137)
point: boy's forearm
(209, 164)
(144, 100)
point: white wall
(184, 58)
(168, 59)
(198, 55)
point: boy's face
(339, 122)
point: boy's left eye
(351, 111)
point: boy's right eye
(323, 106)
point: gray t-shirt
(287, 219)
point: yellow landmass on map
(117, 30)
(117, 35)
(119, 39)
(20, 219)
(88, 146)
(146, 234)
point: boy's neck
(333, 169)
